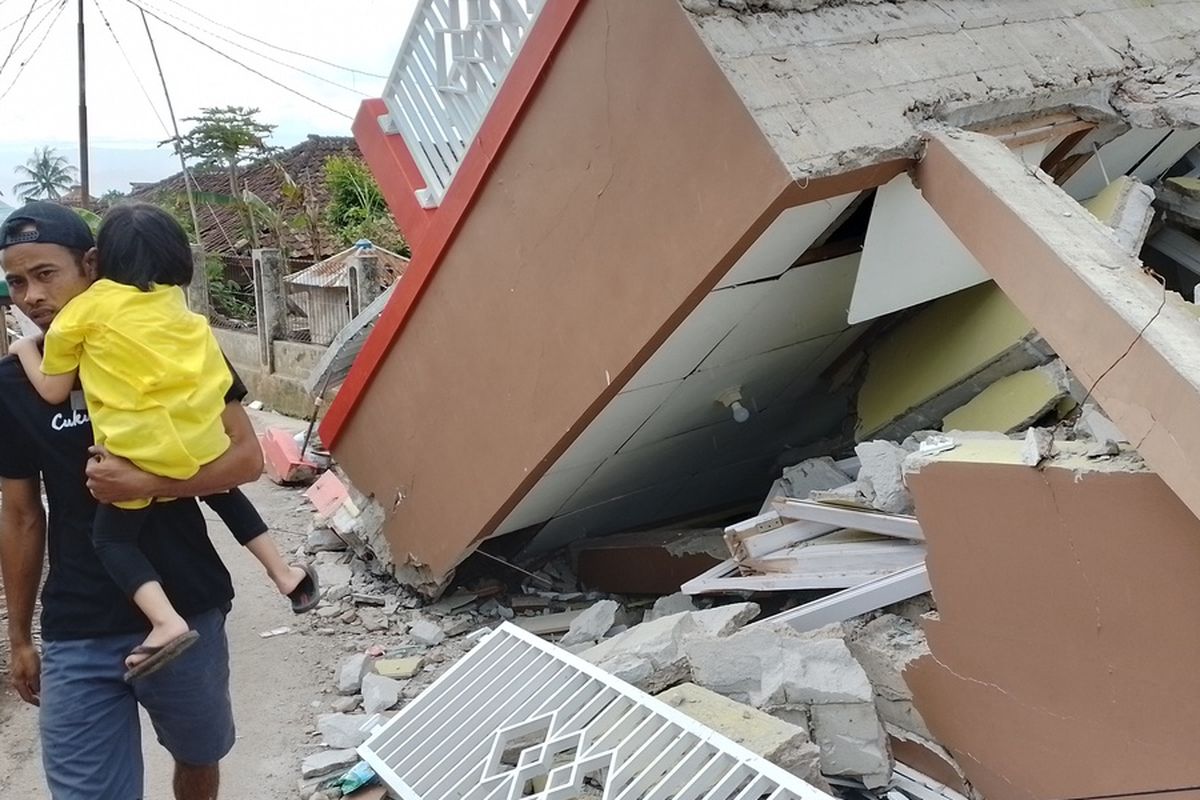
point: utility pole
(85, 195)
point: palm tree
(48, 175)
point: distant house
(74, 199)
(323, 292)
(222, 226)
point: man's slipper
(159, 657)
(307, 593)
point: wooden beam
(1129, 342)
(855, 601)
(873, 522)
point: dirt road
(276, 681)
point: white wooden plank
(886, 524)
(855, 601)
(761, 544)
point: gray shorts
(91, 736)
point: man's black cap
(46, 223)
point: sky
(39, 95)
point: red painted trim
(436, 228)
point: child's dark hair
(140, 244)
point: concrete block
(281, 455)
(883, 470)
(812, 475)
(649, 656)
(351, 672)
(344, 705)
(426, 632)
(782, 743)
(852, 741)
(374, 620)
(333, 575)
(1038, 446)
(323, 540)
(724, 620)
(380, 693)
(884, 647)
(677, 603)
(1094, 423)
(770, 667)
(593, 623)
(345, 730)
(327, 762)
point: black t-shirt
(79, 600)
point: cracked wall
(836, 85)
(1063, 660)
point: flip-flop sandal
(307, 594)
(159, 657)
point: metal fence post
(270, 303)
(197, 291)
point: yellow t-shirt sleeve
(63, 346)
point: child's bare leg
(166, 623)
(285, 576)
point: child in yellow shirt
(154, 380)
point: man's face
(43, 278)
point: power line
(132, 69)
(256, 40)
(241, 64)
(17, 40)
(18, 20)
(272, 59)
(37, 47)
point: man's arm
(113, 480)
(22, 550)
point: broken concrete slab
(782, 743)
(649, 656)
(677, 603)
(593, 623)
(345, 730)
(1066, 544)
(725, 620)
(1037, 446)
(323, 540)
(1126, 207)
(334, 575)
(1094, 423)
(426, 632)
(811, 475)
(852, 742)
(351, 672)
(327, 762)
(772, 667)
(882, 469)
(1013, 402)
(884, 647)
(380, 693)
(547, 624)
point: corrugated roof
(333, 272)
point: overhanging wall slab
(1136, 347)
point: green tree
(357, 209)
(47, 174)
(111, 198)
(226, 138)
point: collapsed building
(917, 274)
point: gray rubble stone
(323, 540)
(326, 762)
(426, 632)
(782, 743)
(374, 620)
(344, 730)
(380, 693)
(1093, 423)
(593, 623)
(649, 656)
(884, 647)
(458, 626)
(350, 674)
(883, 470)
(770, 667)
(331, 575)
(344, 705)
(853, 742)
(676, 603)
(814, 474)
(724, 620)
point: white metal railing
(452, 62)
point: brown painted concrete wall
(631, 185)
(1064, 664)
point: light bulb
(740, 412)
